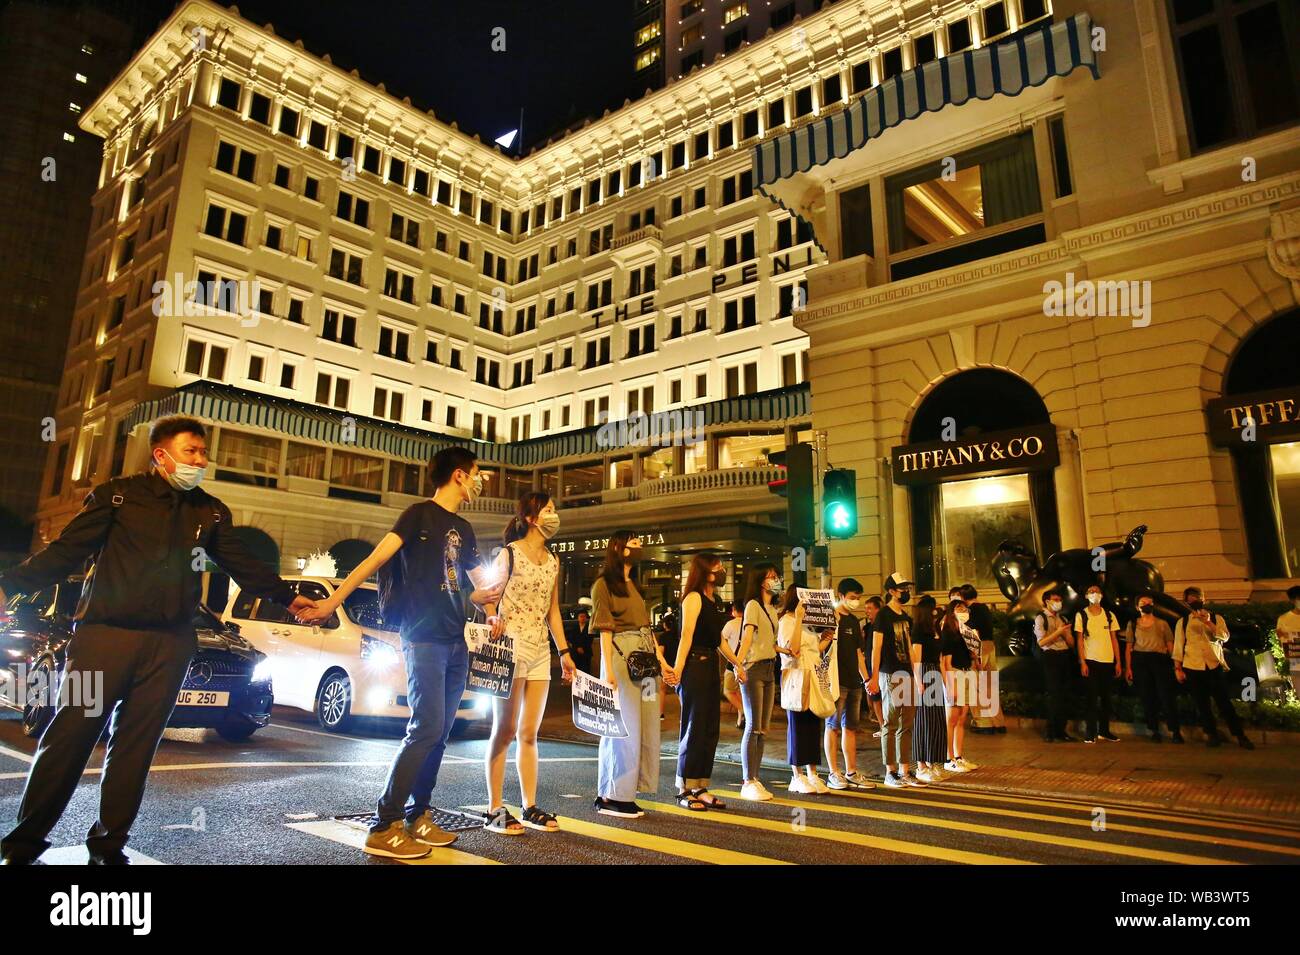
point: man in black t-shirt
(842, 725)
(434, 559)
(986, 715)
(892, 678)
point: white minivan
(345, 667)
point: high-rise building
(54, 60)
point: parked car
(228, 686)
(349, 666)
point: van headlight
(262, 672)
(379, 654)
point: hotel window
(737, 187)
(388, 404)
(462, 250)
(440, 241)
(60, 469)
(354, 209)
(420, 183)
(539, 215)
(677, 155)
(856, 233)
(640, 341)
(317, 135)
(397, 171)
(458, 304)
(435, 294)
(455, 363)
(575, 199)
(1239, 65)
(641, 400)
(506, 222)
(489, 318)
(201, 358)
(641, 281)
(775, 113)
(487, 371)
(444, 193)
(690, 8)
(259, 109)
(358, 471)
(647, 33)
(1062, 179)
(615, 182)
(225, 224)
(726, 133)
(701, 197)
(803, 102)
(431, 351)
(995, 22)
(295, 314)
(923, 49)
(959, 37)
(274, 237)
(739, 313)
(749, 450)
(793, 298)
(567, 361)
(782, 15)
(701, 319)
(228, 94)
(345, 266)
(399, 285)
(236, 161)
(595, 411)
(288, 121)
(338, 327)
(993, 185)
(1031, 10)
(564, 416)
(466, 203)
(593, 192)
(675, 207)
(105, 380)
(738, 248)
(734, 39)
(485, 210)
(546, 420)
(370, 159)
(247, 458)
(404, 230)
(597, 352)
(891, 63)
(281, 177)
(288, 372)
(794, 368)
(702, 385)
(266, 302)
(740, 377)
(749, 124)
(831, 91)
(311, 188)
(344, 146)
(692, 35)
(557, 208)
(451, 417)
(600, 294)
(701, 148)
(394, 343)
(332, 390)
(405, 478)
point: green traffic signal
(840, 503)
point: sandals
(710, 800)
(501, 822)
(687, 800)
(535, 818)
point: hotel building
(361, 284)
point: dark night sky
(564, 59)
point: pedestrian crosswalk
(938, 825)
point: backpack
(420, 560)
(1080, 617)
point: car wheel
(334, 703)
(42, 684)
(236, 731)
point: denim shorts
(848, 710)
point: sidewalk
(1264, 783)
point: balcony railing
(723, 480)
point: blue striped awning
(1028, 59)
(220, 404)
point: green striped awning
(226, 405)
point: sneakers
(955, 766)
(617, 807)
(926, 775)
(914, 782)
(894, 781)
(423, 829)
(112, 858)
(1108, 736)
(817, 784)
(799, 783)
(395, 842)
(1090, 739)
(858, 781)
(966, 765)
(837, 782)
(754, 791)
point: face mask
(962, 616)
(475, 488)
(1054, 606)
(548, 524)
(775, 586)
(631, 554)
(186, 477)
(719, 578)
(853, 604)
(1147, 609)
(1094, 599)
(1195, 603)
(905, 596)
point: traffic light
(796, 486)
(840, 503)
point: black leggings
(1101, 678)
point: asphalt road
(273, 799)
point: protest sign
(595, 707)
(491, 661)
(818, 609)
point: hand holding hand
(741, 676)
(311, 612)
(497, 624)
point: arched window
(1263, 383)
(261, 545)
(959, 521)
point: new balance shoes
(394, 842)
(858, 781)
(423, 829)
(967, 765)
(955, 766)
(894, 781)
(836, 781)
(914, 782)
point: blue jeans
(435, 680)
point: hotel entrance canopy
(791, 168)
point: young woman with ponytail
(530, 604)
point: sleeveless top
(527, 597)
(708, 625)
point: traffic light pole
(820, 470)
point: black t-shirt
(849, 642)
(952, 643)
(896, 631)
(437, 588)
(930, 646)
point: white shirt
(1199, 645)
(1096, 629)
(731, 633)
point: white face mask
(1094, 599)
(962, 616)
(853, 604)
(548, 524)
(475, 487)
(186, 477)
(773, 586)
(1054, 606)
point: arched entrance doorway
(1258, 420)
(979, 467)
